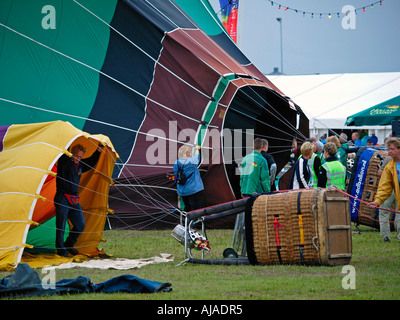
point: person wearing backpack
(187, 177)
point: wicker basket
(366, 215)
(308, 226)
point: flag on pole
(229, 11)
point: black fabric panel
(132, 63)
(226, 43)
(266, 112)
(118, 104)
(164, 15)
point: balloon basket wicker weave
(307, 226)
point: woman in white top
(301, 174)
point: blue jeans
(65, 211)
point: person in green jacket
(343, 141)
(341, 154)
(332, 173)
(254, 176)
(320, 151)
(314, 163)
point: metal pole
(280, 23)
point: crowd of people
(321, 163)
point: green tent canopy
(378, 115)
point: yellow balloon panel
(29, 152)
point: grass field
(376, 265)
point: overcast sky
(320, 45)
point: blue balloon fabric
(25, 282)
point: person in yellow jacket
(389, 181)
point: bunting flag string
(322, 14)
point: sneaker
(62, 253)
(386, 239)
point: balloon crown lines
(343, 12)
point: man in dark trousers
(271, 163)
(66, 200)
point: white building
(328, 99)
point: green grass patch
(377, 266)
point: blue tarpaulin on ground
(26, 282)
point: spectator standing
(254, 176)
(301, 174)
(332, 172)
(389, 182)
(271, 163)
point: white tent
(328, 99)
